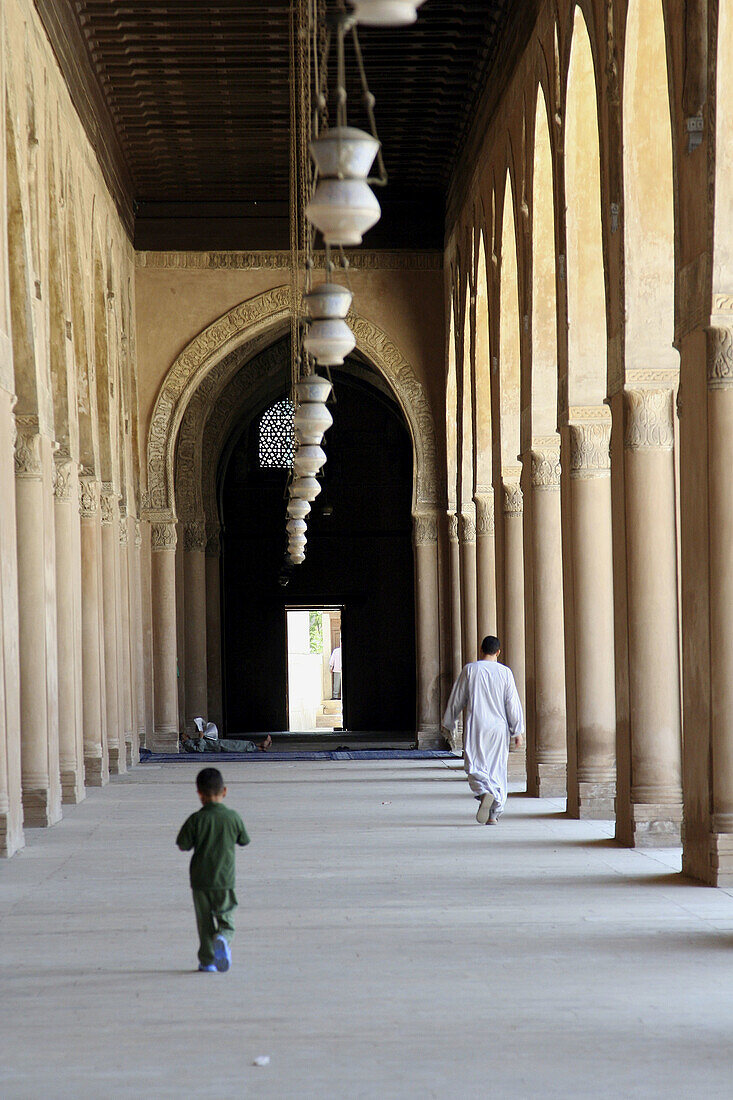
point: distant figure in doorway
(213, 833)
(487, 692)
(335, 665)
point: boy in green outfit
(212, 833)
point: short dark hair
(209, 782)
(490, 645)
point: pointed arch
(509, 336)
(482, 396)
(544, 307)
(587, 370)
(648, 191)
(254, 323)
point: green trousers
(214, 916)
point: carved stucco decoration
(194, 536)
(280, 260)
(649, 424)
(452, 527)
(107, 499)
(425, 528)
(485, 514)
(88, 498)
(162, 537)
(466, 528)
(720, 357)
(513, 500)
(589, 449)
(545, 458)
(254, 320)
(27, 447)
(62, 479)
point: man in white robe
(487, 692)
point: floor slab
(387, 946)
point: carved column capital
(107, 500)
(213, 542)
(88, 497)
(452, 527)
(123, 531)
(466, 528)
(27, 447)
(649, 424)
(513, 500)
(484, 502)
(545, 463)
(62, 471)
(424, 528)
(719, 357)
(163, 537)
(590, 455)
(138, 535)
(194, 536)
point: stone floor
(388, 947)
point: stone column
(194, 579)
(720, 505)
(650, 812)
(512, 644)
(68, 626)
(94, 710)
(513, 641)
(110, 594)
(485, 564)
(592, 784)
(11, 796)
(165, 687)
(469, 613)
(132, 747)
(454, 561)
(37, 626)
(138, 655)
(213, 628)
(547, 727)
(454, 573)
(427, 622)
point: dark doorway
(359, 557)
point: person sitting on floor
(208, 740)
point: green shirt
(212, 833)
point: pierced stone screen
(277, 436)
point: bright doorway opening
(315, 664)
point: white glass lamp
(307, 488)
(298, 508)
(329, 342)
(342, 210)
(311, 420)
(308, 460)
(344, 152)
(313, 388)
(386, 13)
(327, 302)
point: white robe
(488, 693)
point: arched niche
(255, 323)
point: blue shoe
(222, 953)
(210, 969)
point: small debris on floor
(262, 1060)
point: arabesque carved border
(253, 321)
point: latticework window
(276, 444)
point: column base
(710, 860)
(430, 738)
(72, 788)
(40, 808)
(548, 781)
(96, 771)
(132, 751)
(165, 741)
(593, 801)
(10, 841)
(646, 825)
(117, 760)
(141, 738)
(517, 766)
